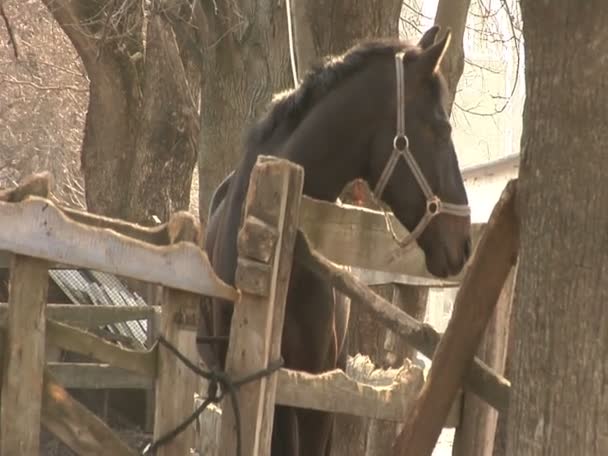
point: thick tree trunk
(245, 60)
(140, 135)
(165, 154)
(559, 403)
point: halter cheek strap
(401, 149)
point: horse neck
(334, 142)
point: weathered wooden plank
(176, 384)
(357, 236)
(97, 376)
(274, 197)
(37, 228)
(344, 234)
(81, 430)
(76, 340)
(256, 240)
(335, 392)
(87, 317)
(253, 277)
(475, 303)
(475, 436)
(493, 388)
(210, 425)
(156, 235)
(24, 357)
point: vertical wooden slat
(474, 306)
(24, 357)
(154, 298)
(176, 384)
(266, 245)
(477, 429)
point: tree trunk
(245, 61)
(559, 402)
(140, 135)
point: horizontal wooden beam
(357, 236)
(97, 376)
(483, 381)
(348, 235)
(76, 340)
(38, 228)
(332, 391)
(88, 317)
(335, 392)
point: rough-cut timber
(89, 317)
(24, 357)
(81, 430)
(357, 237)
(257, 240)
(334, 391)
(97, 376)
(490, 386)
(76, 340)
(38, 228)
(476, 432)
(473, 308)
(253, 277)
(176, 384)
(257, 324)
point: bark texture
(559, 403)
(245, 61)
(140, 135)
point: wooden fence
(278, 221)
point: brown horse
(339, 125)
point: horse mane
(292, 105)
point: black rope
(215, 379)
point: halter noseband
(401, 148)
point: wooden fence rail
(278, 224)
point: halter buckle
(401, 142)
(433, 206)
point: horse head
(418, 175)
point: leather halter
(401, 149)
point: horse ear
(431, 57)
(428, 38)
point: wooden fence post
(475, 303)
(265, 245)
(24, 357)
(176, 384)
(477, 428)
